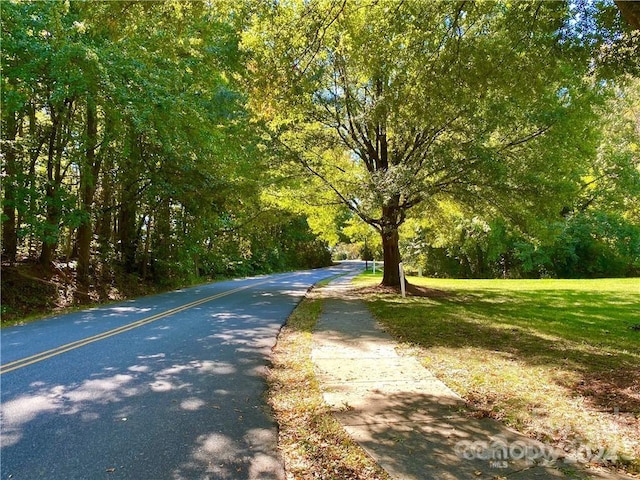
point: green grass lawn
(558, 360)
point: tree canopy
(392, 105)
(127, 144)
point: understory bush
(583, 245)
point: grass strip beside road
(558, 360)
(312, 442)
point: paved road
(164, 387)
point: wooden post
(402, 286)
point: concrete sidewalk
(411, 423)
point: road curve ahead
(163, 387)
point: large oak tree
(397, 104)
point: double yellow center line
(23, 362)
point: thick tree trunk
(162, 234)
(127, 231)
(50, 238)
(392, 218)
(391, 251)
(9, 231)
(105, 215)
(89, 175)
(84, 251)
(147, 246)
(48, 250)
(59, 137)
(30, 183)
(128, 208)
(630, 12)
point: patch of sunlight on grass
(558, 360)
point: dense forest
(129, 151)
(161, 143)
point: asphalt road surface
(169, 386)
